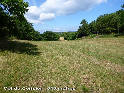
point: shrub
(50, 36)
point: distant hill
(63, 32)
(71, 31)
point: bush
(68, 35)
(50, 36)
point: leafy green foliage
(3, 24)
(68, 35)
(50, 36)
(13, 22)
(14, 7)
(104, 24)
(108, 23)
(121, 14)
(83, 29)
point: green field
(88, 65)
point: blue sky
(66, 15)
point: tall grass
(88, 65)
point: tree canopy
(83, 29)
(13, 22)
(104, 24)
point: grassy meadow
(87, 65)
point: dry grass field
(84, 66)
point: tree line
(14, 24)
(104, 24)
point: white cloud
(68, 6)
(52, 8)
(34, 10)
(35, 15)
(46, 16)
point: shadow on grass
(19, 47)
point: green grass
(88, 65)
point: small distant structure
(61, 39)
